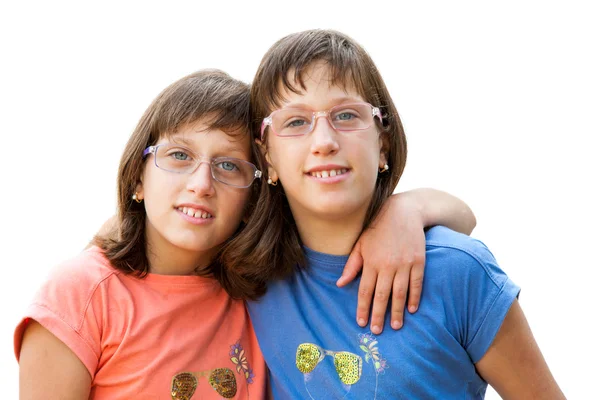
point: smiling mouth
(191, 212)
(328, 173)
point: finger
(352, 267)
(365, 295)
(415, 288)
(399, 299)
(380, 301)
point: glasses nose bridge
(202, 160)
(319, 114)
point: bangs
(344, 76)
(213, 98)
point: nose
(201, 181)
(324, 137)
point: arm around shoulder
(48, 369)
(441, 208)
(514, 364)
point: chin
(193, 243)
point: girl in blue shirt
(335, 149)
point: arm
(440, 208)
(48, 369)
(514, 364)
(393, 250)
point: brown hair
(208, 95)
(270, 246)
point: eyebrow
(332, 102)
(223, 150)
(181, 139)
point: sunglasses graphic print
(347, 365)
(222, 380)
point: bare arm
(440, 208)
(49, 370)
(514, 364)
(393, 250)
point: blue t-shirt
(315, 350)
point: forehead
(316, 87)
(199, 135)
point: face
(304, 164)
(193, 212)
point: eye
(345, 116)
(295, 123)
(228, 165)
(180, 155)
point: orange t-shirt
(160, 337)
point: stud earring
(271, 182)
(385, 168)
(135, 197)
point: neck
(335, 235)
(166, 259)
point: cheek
(287, 158)
(235, 202)
(159, 189)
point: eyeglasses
(298, 122)
(181, 160)
(184, 384)
(348, 365)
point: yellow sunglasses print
(348, 365)
(222, 380)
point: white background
(500, 103)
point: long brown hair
(270, 246)
(212, 96)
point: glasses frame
(268, 121)
(207, 160)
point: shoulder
(459, 254)
(82, 273)
(67, 305)
(73, 286)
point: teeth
(330, 173)
(194, 213)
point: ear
(384, 149)
(139, 190)
(272, 174)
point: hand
(393, 250)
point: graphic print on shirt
(348, 365)
(369, 345)
(222, 380)
(238, 357)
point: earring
(135, 197)
(270, 182)
(385, 168)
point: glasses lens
(233, 171)
(223, 381)
(291, 122)
(175, 159)
(349, 117)
(307, 357)
(183, 386)
(348, 367)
